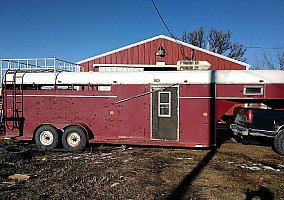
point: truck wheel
(47, 137)
(74, 138)
(279, 142)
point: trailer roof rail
(37, 65)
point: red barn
(160, 51)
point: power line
(172, 35)
(157, 10)
(181, 46)
(273, 48)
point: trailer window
(68, 87)
(46, 87)
(13, 87)
(64, 87)
(253, 90)
(104, 88)
(29, 87)
(164, 103)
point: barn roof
(170, 39)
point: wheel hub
(46, 138)
(73, 139)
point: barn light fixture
(161, 52)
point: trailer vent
(183, 65)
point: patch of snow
(127, 160)
(280, 166)
(184, 158)
(105, 154)
(270, 168)
(256, 166)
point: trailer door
(164, 117)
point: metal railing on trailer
(37, 64)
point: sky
(73, 30)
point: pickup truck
(261, 122)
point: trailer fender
(45, 124)
(280, 128)
(47, 136)
(87, 130)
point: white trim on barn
(167, 38)
(127, 67)
(132, 65)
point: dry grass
(234, 171)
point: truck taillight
(249, 116)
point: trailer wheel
(279, 142)
(74, 138)
(47, 137)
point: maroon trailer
(164, 108)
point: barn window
(164, 104)
(253, 90)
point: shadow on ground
(180, 191)
(262, 193)
(184, 186)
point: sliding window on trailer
(253, 90)
(102, 88)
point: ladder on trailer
(12, 97)
(13, 110)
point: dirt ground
(232, 171)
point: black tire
(279, 142)
(74, 138)
(47, 137)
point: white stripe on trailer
(196, 97)
(63, 96)
(160, 77)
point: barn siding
(145, 53)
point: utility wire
(182, 47)
(157, 10)
(273, 48)
(172, 35)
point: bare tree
(237, 51)
(280, 59)
(274, 61)
(195, 38)
(269, 62)
(218, 41)
(258, 63)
